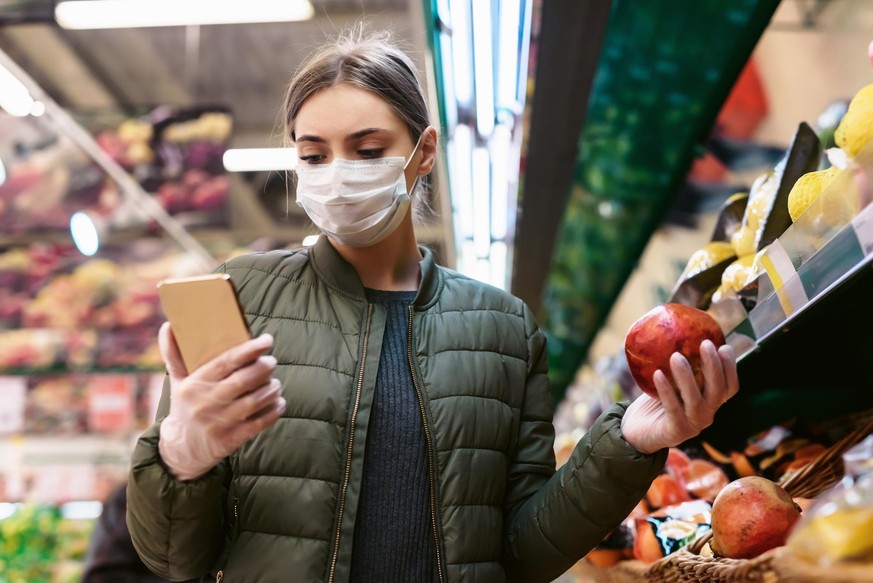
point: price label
(863, 225)
(13, 392)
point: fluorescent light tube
(461, 179)
(14, 96)
(482, 202)
(507, 74)
(484, 68)
(87, 14)
(257, 159)
(462, 54)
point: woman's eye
(312, 158)
(373, 153)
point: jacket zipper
(219, 577)
(348, 471)
(429, 445)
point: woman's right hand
(218, 407)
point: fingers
(248, 429)
(170, 352)
(667, 394)
(714, 384)
(237, 357)
(249, 405)
(728, 358)
(245, 379)
(696, 408)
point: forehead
(343, 109)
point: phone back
(205, 316)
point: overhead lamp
(14, 96)
(86, 232)
(88, 14)
(310, 240)
(259, 159)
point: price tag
(13, 392)
(863, 225)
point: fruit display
(38, 544)
(63, 310)
(666, 329)
(176, 154)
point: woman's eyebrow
(366, 132)
(309, 138)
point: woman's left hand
(684, 410)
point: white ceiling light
(310, 240)
(14, 96)
(86, 233)
(257, 159)
(85, 14)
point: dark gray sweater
(393, 537)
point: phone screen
(205, 316)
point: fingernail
(707, 344)
(275, 384)
(269, 360)
(282, 404)
(265, 340)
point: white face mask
(355, 202)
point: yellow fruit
(843, 535)
(743, 241)
(738, 273)
(856, 127)
(807, 188)
(711, 254)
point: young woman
(391, 419)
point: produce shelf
(817, 361)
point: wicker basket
(695, 563)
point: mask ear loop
(411, 156)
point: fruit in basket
(751, 516)
(666, 329)
(704, 479)
(666, 491)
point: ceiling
(244, 67)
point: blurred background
(589, 151)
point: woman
(391, 420)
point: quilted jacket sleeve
(554, 518)
(177, 527)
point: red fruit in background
(751, 516)
(666, 491)
(669, 328)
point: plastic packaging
(838, 528)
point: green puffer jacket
(282, 508)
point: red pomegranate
(666, 329)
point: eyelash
(369, 153)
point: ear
(428, 151)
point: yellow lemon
(709, 255)
(807, 188)
(743, 241)
(856, 127)
(738, 273)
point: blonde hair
(372, 62)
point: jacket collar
(341, 275)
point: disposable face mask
(355, 202)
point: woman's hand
(218, 407)
(683, 411)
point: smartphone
(205, 316)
